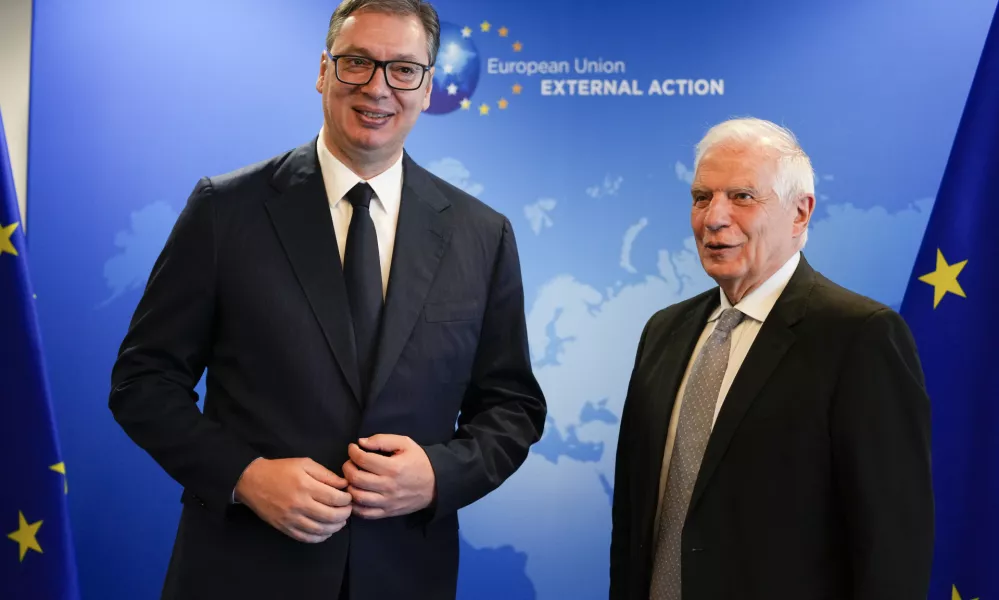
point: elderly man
(775, 440)
(362, 325)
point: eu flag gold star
(517, 46)
(466, 32)
(954, 595)
(61, 469)
(503, 103)
(465, 103)
(503, 31)
(25, 535)
(485, 26)
(5, 244)
(517, 88)
(484, 110)
(944, 279)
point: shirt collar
(758, 303)
(339, 179)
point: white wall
(15, 74)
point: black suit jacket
(249, 286)
(815, 483)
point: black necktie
(362, 273)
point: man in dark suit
(362, 326)
(775, 439)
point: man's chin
(722, 269)
(369, 141)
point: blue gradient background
(132, 102)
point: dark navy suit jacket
(249, 286)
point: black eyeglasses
(358, 70)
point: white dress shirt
(384, 207)
(756, 305)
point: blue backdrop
(132, 102)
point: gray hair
(794, 177)
(426, 13)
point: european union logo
(36, 553)
(949, 307)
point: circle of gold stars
(516, 89)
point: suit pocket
(442, 312)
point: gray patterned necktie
(697, 411)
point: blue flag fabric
(949, 306)
(36, 553)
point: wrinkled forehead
(737, 164)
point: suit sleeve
(622, 507)
(163, 356)
(881, 456)
(504, 410)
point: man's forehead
(372, 50)
(384, 36)
(365, 24)
(735, 164)
(741, 151)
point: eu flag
(36, 553)
(951, 306)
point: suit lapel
(672, 363)
(422, 233)
(771, 343)
(301, 217)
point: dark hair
(419, 8)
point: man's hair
(794, 177)
(423, 10)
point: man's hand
(388, 486)
(297, 496)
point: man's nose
(378, 86)
(719, 212)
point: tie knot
(729, 318)
(360, 195)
